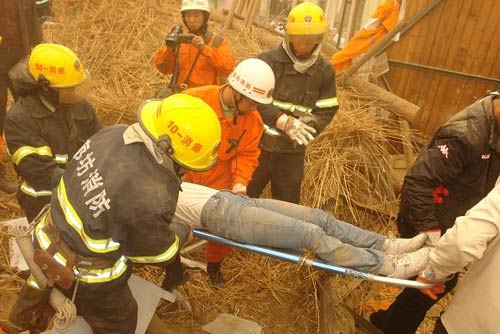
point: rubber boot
(215, 274)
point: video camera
(176, 37)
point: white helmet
(195, 5)
(253, 78)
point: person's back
(202, 57)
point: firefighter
(198, 58)
(304, 102)
(114, 206)
(48, 123)
(249, 85)
(19, 32)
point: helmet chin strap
(236, 109)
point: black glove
(181, 229)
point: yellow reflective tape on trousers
(32, 282)
(327, 103)
(29, 190)
(24, 151)
(290, 106)
(95, 245)
(165, 256)
(92, 276)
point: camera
(175, 37)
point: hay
(348, 169)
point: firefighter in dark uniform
(114, 205)
(304, 102)
(48, 123)
(457, 169)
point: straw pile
(348, 171)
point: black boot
(175, 275)
(5, 185)
(215, 275)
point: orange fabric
(231, 168)
(238, 165)
(216, 253)
(211, 64)
(364, 39)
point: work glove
(427, 276)
(309, 119)
(239, 188)
(298, 131)
(433, 237)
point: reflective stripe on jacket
(41, 141)
(310, 92)
(214, 61)
(115, 202)
(235, 164)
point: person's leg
(111, 311)
(239, 218)
(287, 171)
(260, 176)
(407, 312)
(439, 328)
(345, 232)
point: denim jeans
(279, 224)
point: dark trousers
(106, 311)
(439, 328)
(407, 312)
(284, 170)
(8, 58)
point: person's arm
(152, 241)
(164, 60)
(220, 57)
(327, 104)
(468, 239)
(32, 156)
(244, 163)
(438, 165)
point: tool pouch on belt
(57, 273)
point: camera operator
(196, 58)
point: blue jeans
(279, 224)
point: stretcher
(313, 263)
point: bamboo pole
(229, 20)
(253, 12)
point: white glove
(300, 132)
(433, 237)
(239, 188)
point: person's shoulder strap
(215, 42)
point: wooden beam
(391, 102)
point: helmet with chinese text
(185, 127)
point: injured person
(278, 224)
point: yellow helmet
(188, 126)
(59, 65)
(306, 19)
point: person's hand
(436, 289)
(298, 131)
(240, 189)
(198, 42)
(433, 237)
